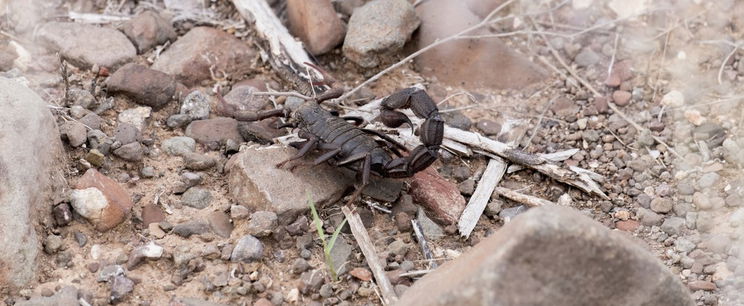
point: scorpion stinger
(431, 131)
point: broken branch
(478, 201)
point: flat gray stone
(87, 45)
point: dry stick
(483, 23)
(596, 93)
(368, 249)
(423, 244)
(286, 94)
(528, 200)
(478, 201)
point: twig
(416, 273)
(528, 200)
(423, 244)
(96, 18)
(286, 94)
(478, 201)
(373, 261)
(596, 93)
(484, 22)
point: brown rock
(621, 97)
(263, 302)
(439, 196)
(628, 225)
(621, 71)
(462, 62)
(214, 130)
(315, 22)
(220, 223)
(361, 274)
(152, 214)
(119, 201)
(7, 56)
(144, 85)
(190, 58)
(255, 182)
(148, 29)
(702, 285)
(600, 103)
(551, 256)
(370, 36)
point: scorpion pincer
(369, 152)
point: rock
(177, 121)
(673, 225)
(198, 162)
(383, 189)
(263, 131)
(86, 45)
(460, 63)
(241, 98)
(107, 273)
(507, 214)
(148, 172)
(662, 205)
(439, 196)
(239, 212)
(648, 217)
(189, 228)
(52, 244)
(139, 254)
(708, 180)
(311, 281)
(179, 145)
(202, 49)
(684, 245)
(247, 249)
(587, 57)
(92, 121)
(621, 97)
(458, 120)
(62, 214)
(196, 105)
(300, 265)
(702, 285)
(187, 301)
(489, 127)
(255, 182)
(371, 36)
(130, 152)
(74, 132)
(430, 229)
(152, 214)
(143, 85)
(214, 130)
(149, 29)
(361, 274)
(67, 296)
(220, 223)
(120, 288)
(136, 116)
(262, 223)
(196, 197)
(628, 225)
(315, 22)
(340, 254)
(7, 56)
(126, 133)
(100, 200)
(551, 251)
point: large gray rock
(379, 28)
(86, 45)
(551, 256)
(255, 182)
(30, 147)
(67, 296)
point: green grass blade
(335, 235)
(318, 222)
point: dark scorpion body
(369, 152)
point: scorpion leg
(351, 159)
(365, 172)
(326, 156)
(309, 145)
(387, 138)
(257, 116)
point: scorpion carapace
(364, 150)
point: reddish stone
(600, 103)
(214, 130)
(119, 201)
(621, 97)
(220, 223)
(702, 285)
(152, 214)
(315, 22)
(263, 302)
(628, 226)
(144, 85)
(439, 196)
(361, 273)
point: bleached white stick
(478, 201)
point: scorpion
(366, 151)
